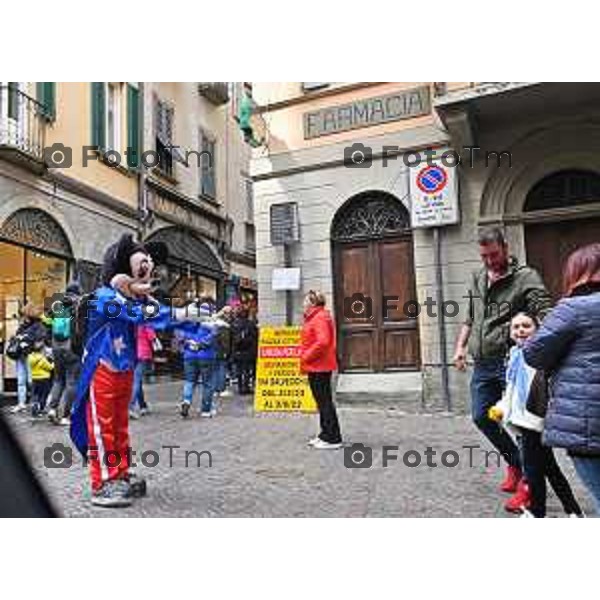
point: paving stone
(261, 466)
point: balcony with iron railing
(216, 92)
(22, 126)
(450, 93)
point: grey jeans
(67, 366)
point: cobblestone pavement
(261, 466)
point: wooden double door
(549, 245)
(368, 275)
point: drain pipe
(439, 283)
(142, 196)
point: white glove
(191, 313)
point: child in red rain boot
(522, 410)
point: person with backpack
(200, 365)
(67, 356)
(244, 347)
(20, 345)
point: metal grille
(187, 249)
(35, 228)
(565, 188)
(370, 216)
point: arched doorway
(372, 252)
(193, 270)
(560, 197)
(35, 259)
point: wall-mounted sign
(174, 212)
(370, 111)
(284, 223)
(434, 195)
(285, 279)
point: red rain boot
(520, 500)
(511, 481)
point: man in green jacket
(498, 291)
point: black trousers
(40, 389)
(539, 463)
(67, 366)
(245, 375)
(320, 386)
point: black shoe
(137, 485)
(185, 410)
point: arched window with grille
(564, 189)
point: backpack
(79, 323)
(223, 341)
(19, 346)
(61, 328)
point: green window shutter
(13, 100)
(50, 99)
(39, 94)
(133, 134)
(46, 95)
(99, 114)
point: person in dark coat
(30, 330)
(497, 291)
(567, 348)
(244, 334)
(67, 363)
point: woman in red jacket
(318, 360)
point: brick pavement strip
(261, 466)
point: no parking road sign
(432, 180)
(434, 200)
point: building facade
(529, 164)
(71, 184)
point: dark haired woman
(318, 361)
(567, 347)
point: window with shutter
(249, 201)
(46, 96)
(13, 100)
(98, 91)
(250, 238)
(113, 116)
(164, 117)
(208, 186)
(133, 143)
